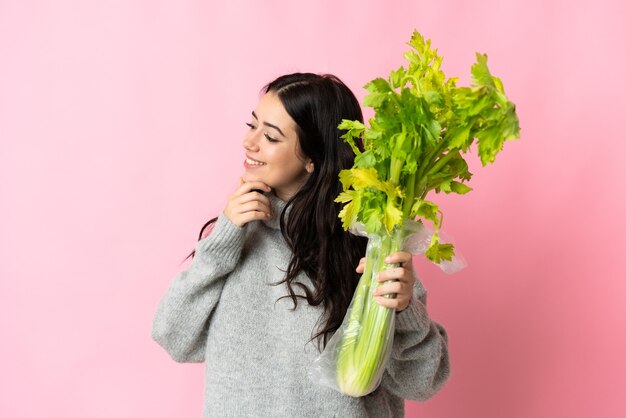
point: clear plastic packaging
(417, 242)
(354, 359)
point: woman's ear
(309, 167)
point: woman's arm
(182, 318)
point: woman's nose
(250, 142)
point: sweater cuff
(413, 318)
(224, 243)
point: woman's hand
(248, 204)
(402, 286)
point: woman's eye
(250, 125)
(269, 138)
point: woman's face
(273, 150)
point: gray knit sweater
(223, 311)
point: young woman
(273, 279)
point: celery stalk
(365, 347)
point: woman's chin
(247, 177)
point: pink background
(120, 132)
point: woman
(273, 279)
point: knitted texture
(224, 311)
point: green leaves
(427, 210)
(379, 206)
(437, 252)
(459, 188)
(354, 130)
(480, 72)
(423, 125)
(497, 121)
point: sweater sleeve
(419, 363)
(181, 321)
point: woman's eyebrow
(269, 124)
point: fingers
(395, 288)
(361, 267)
(248, 204)
(247, 187)
(403, 269)
(399, 257)
(258, 206)
(393, 294)
(241, 219)
(398, 303)
(251, 197)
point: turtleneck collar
(278, 206)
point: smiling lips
(253, 163)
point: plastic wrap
(417, 241)
(354, 359)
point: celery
(367, 338)
(423, 124)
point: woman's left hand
(402, 286)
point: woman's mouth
(252, 163)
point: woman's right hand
(247, 204)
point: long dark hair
(321, 249)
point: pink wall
(120, 133)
